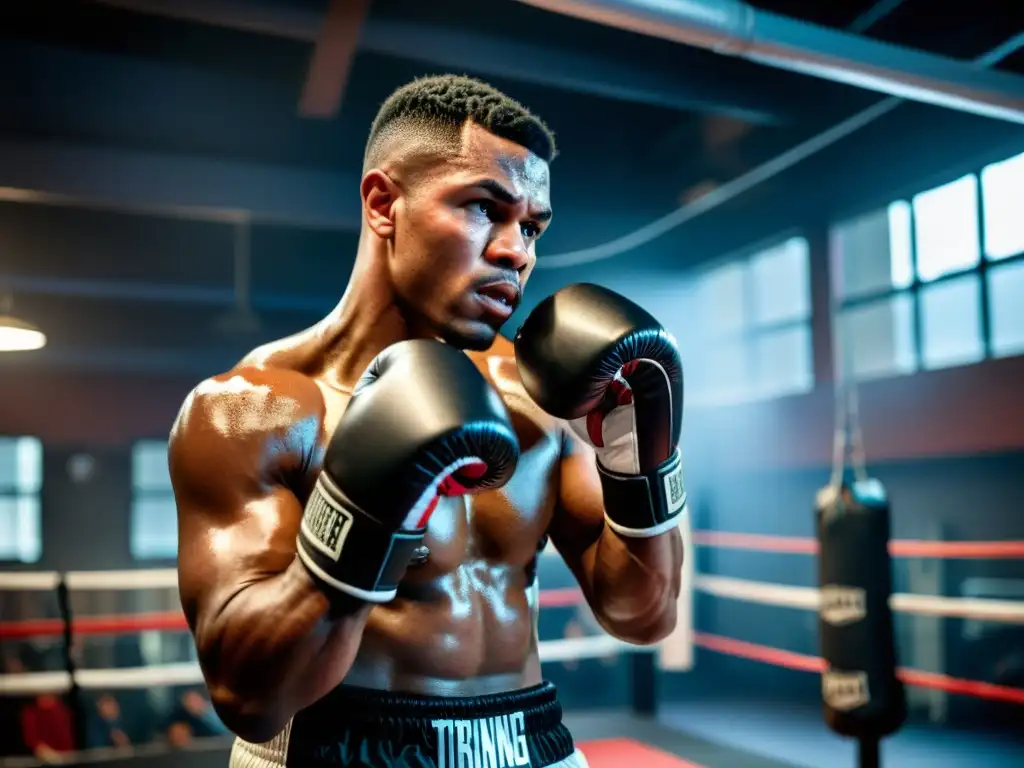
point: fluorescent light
(19, 336)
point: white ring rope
(156, 578)
(38, 581)
(123, 580)
(32, 683)
(568, 649)
(808, 598)
(1009, 611)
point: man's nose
(509, 250)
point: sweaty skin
(245, 452)
(464, 621)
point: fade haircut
(431, 112)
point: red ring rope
(166, 621)
(915, 677)
(564, 597)
(170, 621)
(799, 545)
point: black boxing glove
(597, 360)
(422, 423)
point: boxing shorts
(375, 729)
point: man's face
(465, 238)
(108, 708)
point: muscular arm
(631, 585)
(267, 644)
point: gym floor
(614, 740)
(795, 736)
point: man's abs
(468, 633)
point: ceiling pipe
(734, 28)
(769, 169)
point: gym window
(930, 283)
(753, 317)
(154, 524)
(21, 476)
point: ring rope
(764, 593)
(167, 578)
(189, 673)
(809, 598)
(568, 649)
(799, 545)
(915, 677)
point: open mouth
(505, 295)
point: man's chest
(504, 524)
(501, 526)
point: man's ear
(380, 195)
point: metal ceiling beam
(734, 28)
(336, 45)
(510, 57)
(162, 293)
(176, 187)
(589, 72)
(143, 361)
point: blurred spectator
(179, 735)
(105, 728)
(193, 717)
(47, 728)
(11, 741)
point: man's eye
(530, 230)
(486, 207)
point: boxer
(361, 505)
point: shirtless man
(358, 552)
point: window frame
(15, 493)
(751, 332)
(140, 493)
(916, 286)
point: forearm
(274, 648)
(634, 583)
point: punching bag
(861, 694)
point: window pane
(781, 283)
(946, 228)
(951, 323)
(21, 464)
(722, 374)
(721, 299)
(876, 339)
(784, 362)
(902, 268)
(149, 466)
(1006, 309)
(1002, 198)
(872, 253)
(20, 535)
(669, 299)
(154, 531)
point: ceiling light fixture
(17, 335)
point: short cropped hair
(434, 110)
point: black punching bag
(861, 693)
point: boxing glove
(422, 423)
(597, 360)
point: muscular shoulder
(251, 421)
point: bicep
(236, 521)
(236, 542)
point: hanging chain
(848, 438)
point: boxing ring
(67, 613)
